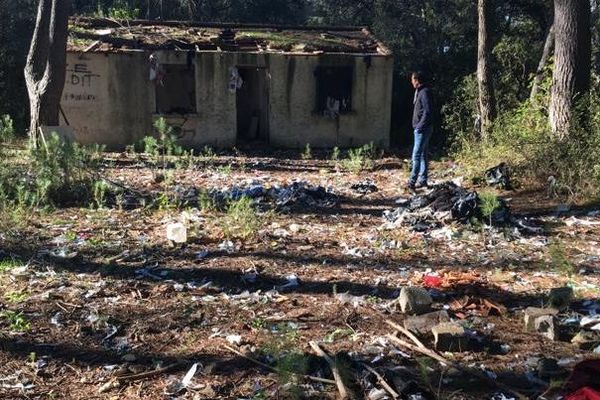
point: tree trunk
(46, 64)
(539, 74)
(572, 61)
(484, 71)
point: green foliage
(335, 154)
(290, 363)
(162, 202)
(290, 367)
(489, 202)
(307, 153)
(100, 190)
(16, 297)
(9, 263)
(150, 145)
(120, 9)
(516, 57)
(360, 159)
(460, 113)
(7, 129)
(523, 137)
(425, 366)
(560, 260)
(62, 171)
(16, 321)
(224, 169)
(258, 323)
(241, 220)
(208, 154)
(206, 202)
(338, 333)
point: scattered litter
(177, 387)
(377, 394)
(365, 187)
(346, 298)
(63, 254)
(234, 339)
(250, 277)
(502, 396)
(446, 202)
(227, 246)
(146, 272)
(432, 281)
(178, 287)
(499, 176)
(200, 255)
(177, 232)
(292, 282)
(55, 320)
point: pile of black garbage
(450, 202)
(294, 194)
(499, 176)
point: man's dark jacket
(422, 114)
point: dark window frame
(336, 82)
(186, 86)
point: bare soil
(129, 301)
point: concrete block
(415, 300)
(422, 324)
(547, 326)
(450, 337)
(531, 313)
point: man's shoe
(422, 185)
(410, 185)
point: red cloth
(585, 393)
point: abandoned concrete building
(222, 84)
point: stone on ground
(531, 313)
(422, 324)
(546, 325)
(450, 337)
(415, 300)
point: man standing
(423, 127)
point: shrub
(307, 153)
(241, 219)
(7, 130)
(488, 202)
(360, 159)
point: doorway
(252, 105)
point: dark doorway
(253, 105)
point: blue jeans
(420, 160)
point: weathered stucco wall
(108, 98)
(295, 121)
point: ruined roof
(108, 35)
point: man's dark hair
(420, 76)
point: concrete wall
(108, 98)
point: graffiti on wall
(79, 82)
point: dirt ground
(112, 310)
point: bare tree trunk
(484, 71)
(539, 74)
(572, 61)
(46, 62)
